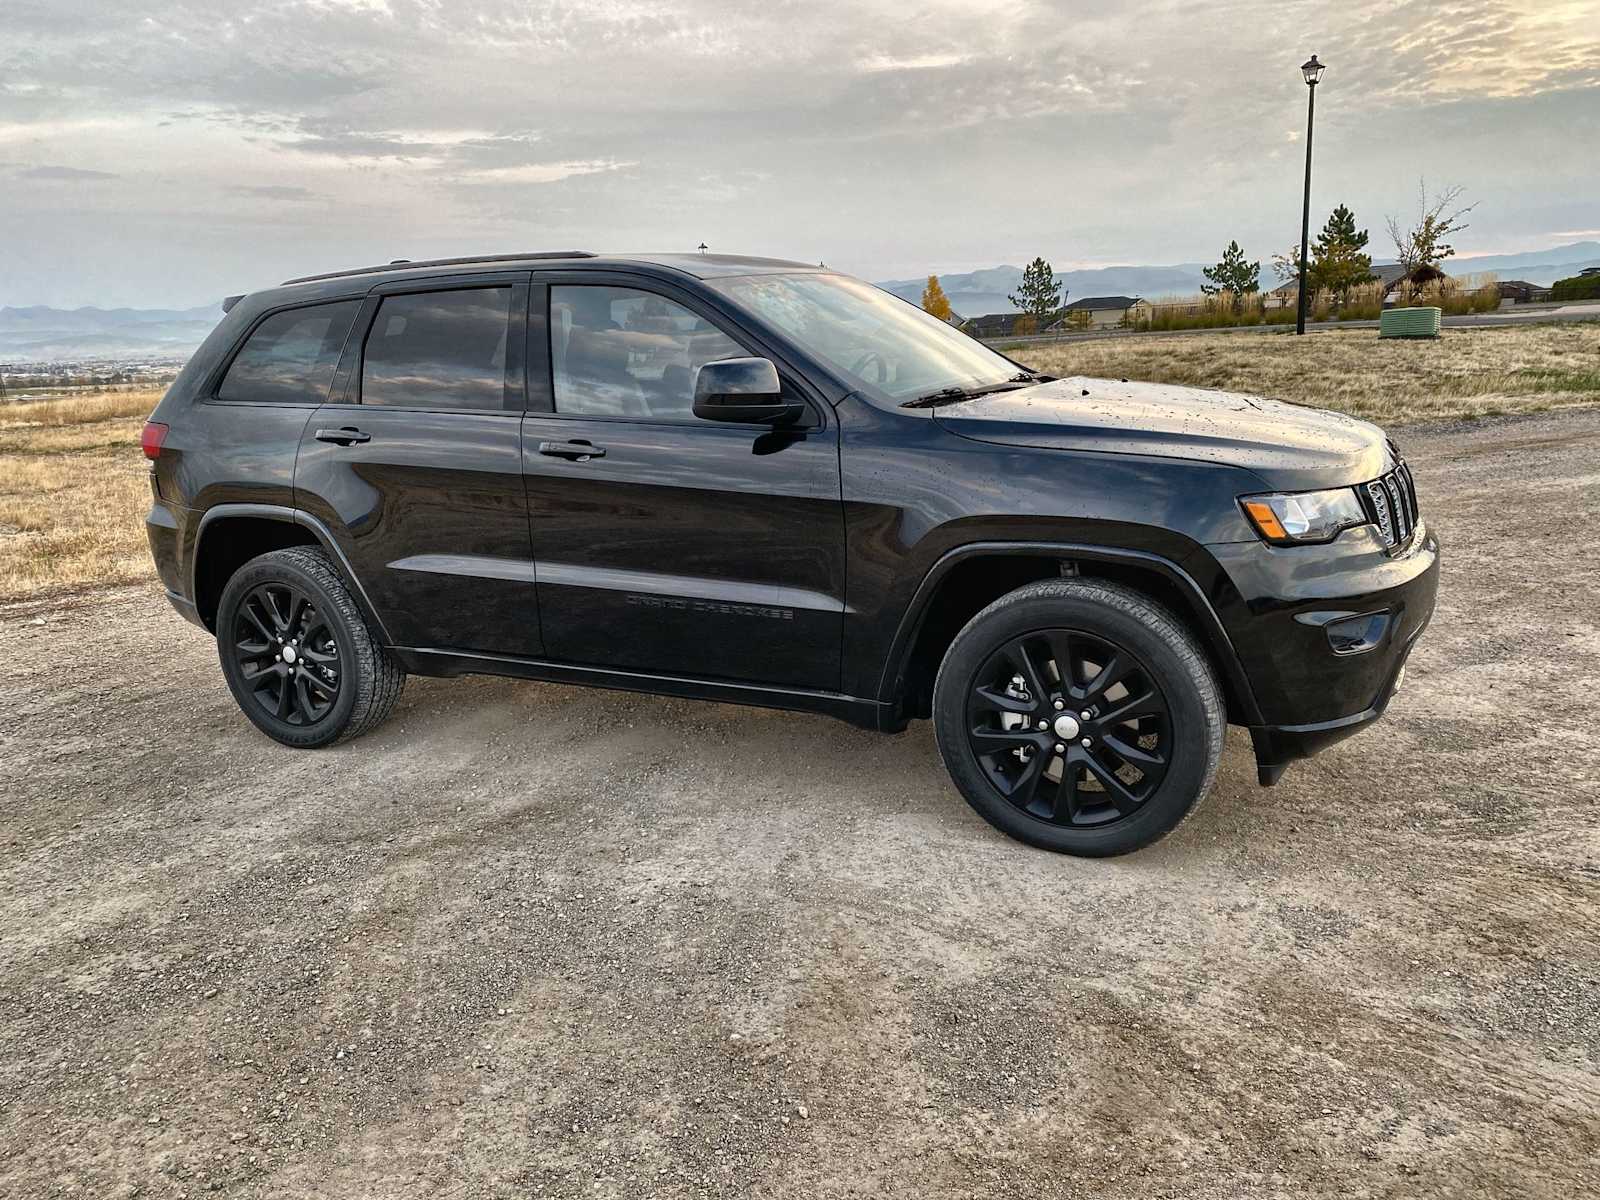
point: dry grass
(1465, 373)
(73, 493)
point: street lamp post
(1312, 70)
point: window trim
(209, 393)
(347, 378)
(815, 419)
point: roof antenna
(701, 247)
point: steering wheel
(871, 358)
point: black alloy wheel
(298, 654)
(1069, 727)
(287, 655)
(1079, 715)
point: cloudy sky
(166, 152)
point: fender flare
(1211, 627)
(318, 530)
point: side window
(291, 356)
(619, 352)
(438, 350)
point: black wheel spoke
(1113, 669)
(1146, 704)
(248, 611)
(998, 741)
(998, 701)
(1116, 791)
(1113, 752)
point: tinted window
(439, 350)
(617, 352)
(291, 356)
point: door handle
(577, 451)
(343, 437)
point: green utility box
(1410, 322)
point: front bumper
(1323, 634)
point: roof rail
(444, 262)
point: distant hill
(975, 293)
(40, 334)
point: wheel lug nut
(1060, 704)
(1084, 714)
(1087, 742)
(1060, 749)
(1042, 725)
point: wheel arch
(968, 578)
(230, 535)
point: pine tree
(934, 301)
(1338, 261)
(1233, 275)
(1039, 294)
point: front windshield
(871, 337)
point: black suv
(767, 483)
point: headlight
(1290, 518)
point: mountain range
(974, 293)
(38, 334)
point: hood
(1289, 446)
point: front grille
(1391, 502)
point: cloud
(273, 191)
(549, 172)
(919, 62)
(65, 173)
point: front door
(417, 470)
(667, 544)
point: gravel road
(530, 940)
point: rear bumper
(1323, 634)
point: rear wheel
(1079, 716)
(298, 655)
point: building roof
(1103, 302)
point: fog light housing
(1357, 635)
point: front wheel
(298, 655)
(1079, 716)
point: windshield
(871, 337)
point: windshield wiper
(953, 395)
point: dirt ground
(529, 940)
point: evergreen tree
(1233, 275)
(934, 301)
(1338, 258)
(1039, 294)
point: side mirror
(745, 390)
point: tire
(1134, 780)
(294, 603)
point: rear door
(673, 545)
(416, 468)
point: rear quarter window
(291, 356)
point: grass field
(1465, 373)
(73, 487)
(73, 493)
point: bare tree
(1420, 248)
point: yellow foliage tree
(934, 301)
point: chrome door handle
(575, 451)
(343, 437)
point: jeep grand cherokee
(768, 483)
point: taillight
(152, 439)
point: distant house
(1103, 312)
(995, 325)
(1520, 291)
